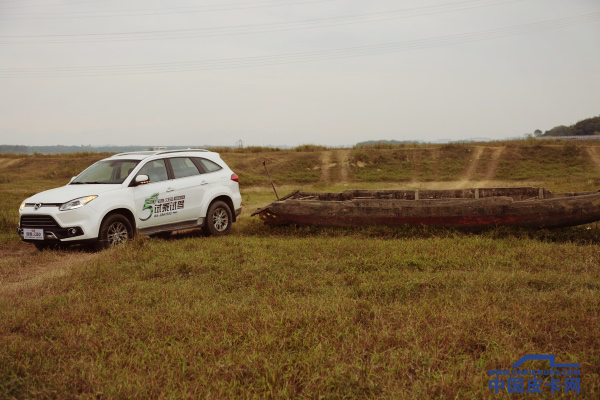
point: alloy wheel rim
(117, 234)
(220, 219)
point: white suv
(147, 192)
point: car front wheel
(218, 219)
(115, 230)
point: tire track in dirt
(343, 157)
(435, 161)
(9, 162)
(34, 272)
(325, 166)
(416, 163)
(493, 165)
(594, 153)
(469, 172)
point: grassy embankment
(285, 312)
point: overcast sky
(290, 72)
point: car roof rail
(181, 151)
(154, 152)
(129, 153)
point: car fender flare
(219, 195)
(116, 207)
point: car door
(213, 173)
(190, 188)
(154, 201)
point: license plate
(33, 234)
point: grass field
(305, 312)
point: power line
(20, 5)
(234, 30)
(289, 58)
(253, 28)
(156, 11)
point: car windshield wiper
(92, 183)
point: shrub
(359, 156)
(310, 147)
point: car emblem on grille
(37, 205)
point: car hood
(70, 192)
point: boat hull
(510, 208)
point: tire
(218, 220)
(115, 230)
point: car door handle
(204, 183)
(170, 189)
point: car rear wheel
(218, 219)
(115, 230)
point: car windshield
(106, 172)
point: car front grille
(38, 221)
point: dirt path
(416, 162)
(343, 157)
(467, 176)
(325, 166)
(435, 161)
(8, 162)
(594, 153)
(493, 165)
(36, 268)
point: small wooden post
(272, 184)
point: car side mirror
(141, 180)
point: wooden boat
(459, 208)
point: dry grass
(297, 312)
(308, 312)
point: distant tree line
(586, 127)
(13, 149)
(386, 142)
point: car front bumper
(81, 224)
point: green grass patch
(453, 161)
(286, 167)
(423, 165)
(540, 162)
(370, 165)
(442, 163)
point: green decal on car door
(149, 205)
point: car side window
(156, 171)
(208, 165)
(182, 167)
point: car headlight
(22, 206)
(76, 203)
